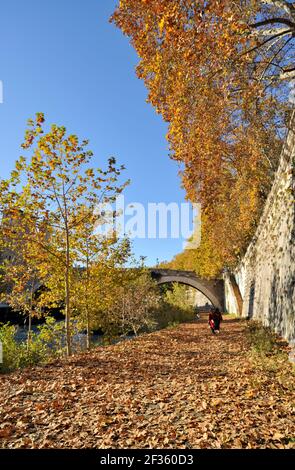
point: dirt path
(177, 388)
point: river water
(79, 339)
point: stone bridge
(212, 289)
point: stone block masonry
(266, 275)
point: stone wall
(266, 275)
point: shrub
(46, 344)
(11, 351)
(169, 315)
(49, 341)
(175, 307)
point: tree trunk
(29, 338)
(67, 297)
(88, 331)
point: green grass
(262, 339)
(231, 316)
(267, 351)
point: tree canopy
(216, 71)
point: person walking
(215, 318)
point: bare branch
(275, 37)
(271, 60)
(286, 75)
(282, 4)
(272, 31)
(277, 20)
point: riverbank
(176, 388)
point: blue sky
(63, 58)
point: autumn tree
(214, 72)
(20, 274)
(100, 258)
(21, 237)
(272, 26)
(59, 182)
(136, 299)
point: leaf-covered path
(177, 388)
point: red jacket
(215, 316)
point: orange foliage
(224, 124)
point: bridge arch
(212, 289)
